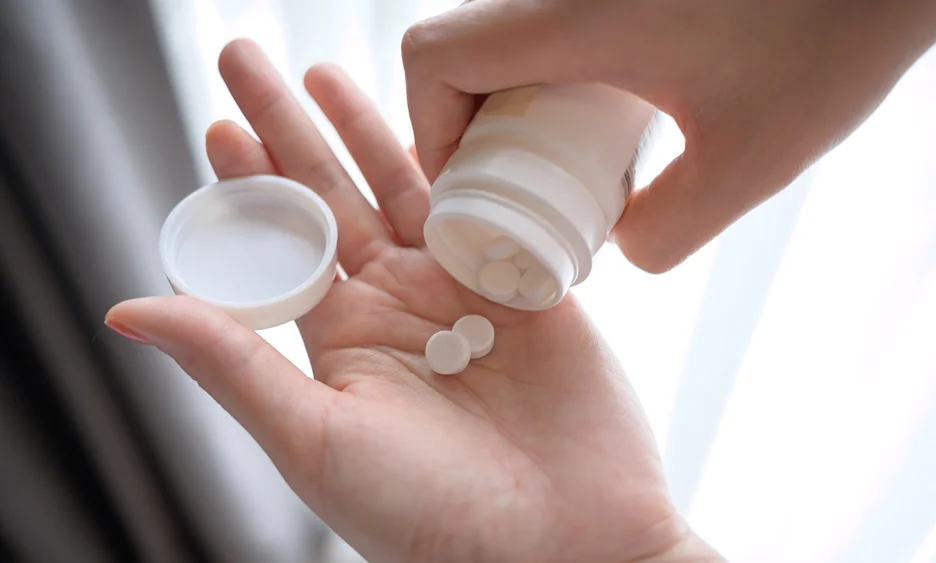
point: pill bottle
(546, 166)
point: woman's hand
(760, 88)
(538, 452)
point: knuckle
(417, 42)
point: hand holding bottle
(759, 89)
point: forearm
(911, 24)
(928, 13)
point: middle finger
(398, 183)
(299, 151)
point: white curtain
(788, 369)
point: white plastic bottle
(545, 166)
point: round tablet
(479, 332)
(524, 260)
(537, 285)
(448, 352)
(499, 281)
(501, 248)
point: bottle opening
(499, 251)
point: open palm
(537, 452)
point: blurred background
(788, 369)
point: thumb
(692, 201)
(262, 390)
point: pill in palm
(537, 285)
(500, 280)
(501, 248)
(448, 352)
(479, 332)
(524, 260)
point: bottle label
(514, 103)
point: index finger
(484, 47)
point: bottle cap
(261, 248)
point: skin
(760, 89)
(538, 452)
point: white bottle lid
(261, 248)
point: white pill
(524, 260)
(537, 285)
(499, 281)
(448, 352)
(479, 332)
(501, 248)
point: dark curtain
(95, 463)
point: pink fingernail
(125, 331)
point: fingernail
(125, 331)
